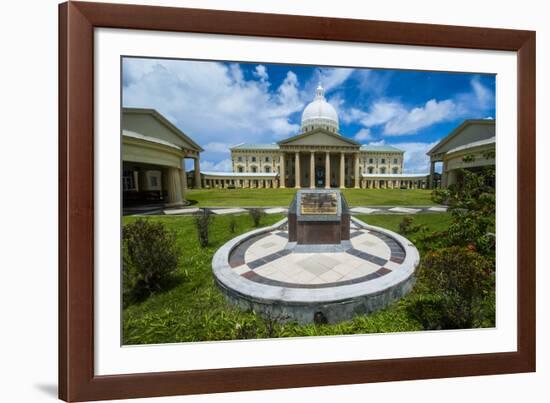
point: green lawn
(195, 310)
(283, 197)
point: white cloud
(261, 72)
(217, 147)
(213, 102)
(381, 113)
(409, 122)
(222, 166)
(415, 158)
(363, 134)
(332, 78)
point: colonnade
(297, 175)
(226, 183)
(394, 183)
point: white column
(312, 170)
(197, 173)
(173, 184)
(282, 170)
(297, 175)
(327, 171)
(356, 165)
(183, 183)
(342, 171)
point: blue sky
(221, 104)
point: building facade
(318, 157)
(471, 146)
(153, 154)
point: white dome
(320, 114)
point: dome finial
(320, 93)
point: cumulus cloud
(415, 158)
(363, 134)
(261, 72)
(396, 119)
(222, 166)
(409, 122)
(210, 101)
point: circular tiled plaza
(263, 271)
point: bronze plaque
(319, 203)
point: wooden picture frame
(77, 21)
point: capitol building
(318, 157)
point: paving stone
(275, 210)
(364, 210)
(405, 210)
(228, 211)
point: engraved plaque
(319, 203)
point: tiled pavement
(267, 259)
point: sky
(222, 104)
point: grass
(195, 310)
(283, 197)
(433, 222)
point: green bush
(202, 224)
(150, 258)
(460, 283)
(256, 214)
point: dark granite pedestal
(318, 217)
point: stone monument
(318, 217)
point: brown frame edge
(77, 381)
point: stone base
(262, 271)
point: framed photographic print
(257, 201)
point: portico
(153, 159)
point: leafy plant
(203, 219)
(150, 258)
(460, 279)
(256, 214)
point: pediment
(319, 138)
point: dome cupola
(319, 114)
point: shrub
(461, 282)
(406, 226)
(232, 225)
(150, 258)
(256, 214)
(202, 224)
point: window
(153, 181)
(370, 169)
(254, 169)
(267, 169)
(383, 170)
(253, 159)
(241, 169)
(395, 160)
(266, 159)
(383, 161)
(240, 158)
(394, 170)
(371, 161)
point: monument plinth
(318, 217)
